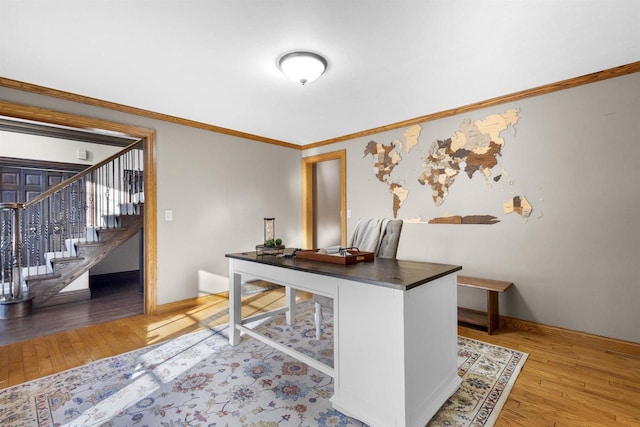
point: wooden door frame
(307, 195)
(42, 115)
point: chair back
(390, 239)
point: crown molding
(95, 102)
(517, 96)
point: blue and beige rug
(199, 380)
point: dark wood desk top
(391, 273)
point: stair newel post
(4, 250)
(15, 301)
(16, 270)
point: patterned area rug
(199, 380)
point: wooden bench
(491, 319)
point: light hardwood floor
(566, 381)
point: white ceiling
(215, 61)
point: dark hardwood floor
(113, 297)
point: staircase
(50, 241)
(62, 269)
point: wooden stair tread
(39, 277)
(91, 243)
(102, 230)
(66, 259)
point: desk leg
(290, 297)
(493, 312)
(235, 307)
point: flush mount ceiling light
(302, 67)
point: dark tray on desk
(350, 258)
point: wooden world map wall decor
(472, 149)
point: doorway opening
(324, 200)
(79, 124)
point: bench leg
(493, 312)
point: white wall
(575, 155)
(219, 188)
(25, 146)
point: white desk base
(395, 351)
